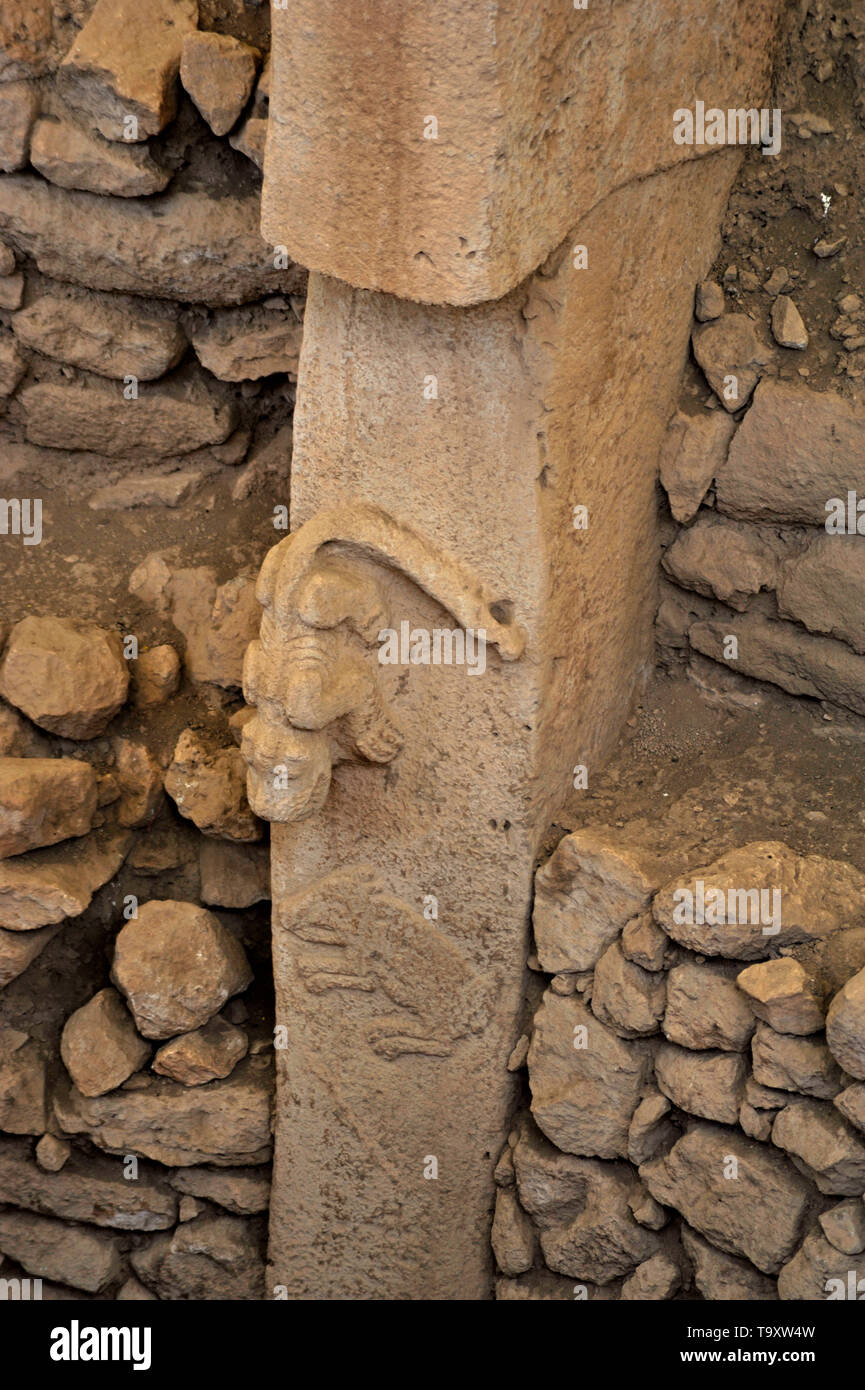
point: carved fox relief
(311, 675)
(365, 938)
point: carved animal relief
(311, 675)
(367, 939)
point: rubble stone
(73, 158)
(759, 1213)
(705, 1009)
(69, 677)
(99, 1045)
(788, 1063)
(206, 1054)
(782, 994)
(218, 72)
(208, 786)
(814, 1134)
(708, 1084)
(177, 965)
(124, 63)
(97, 333)
(583, 1097)
(44, 800)
(845, 1026)
(227, 1124)
(585, 894)
(49, 1249)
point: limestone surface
(124, 64)
(43, 801)
(93, 331)
(177, 965)
(69, 677)
(99, 1044)
(586, 1081)
(207, 1054)
(227, 1125)
(218, 72)
(462, 224)
(73, 158)
(759, 1214)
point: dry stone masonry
(339, 365)
(695, 1121)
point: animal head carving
(316, 696)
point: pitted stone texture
(69, 677)
(758, 1214)
(177, 965)
(585, 895)
(586, 1081)
(43, 801)
(386, 200)
(124, 63)
(208, 786)
(817, 897)
(99, 1044)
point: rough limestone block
(124, 64)
(398, 1047)
(409, 190)
(795, 450)
(185, 245)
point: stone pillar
(442, 457)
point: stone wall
(697, 1107)
(149, 343)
